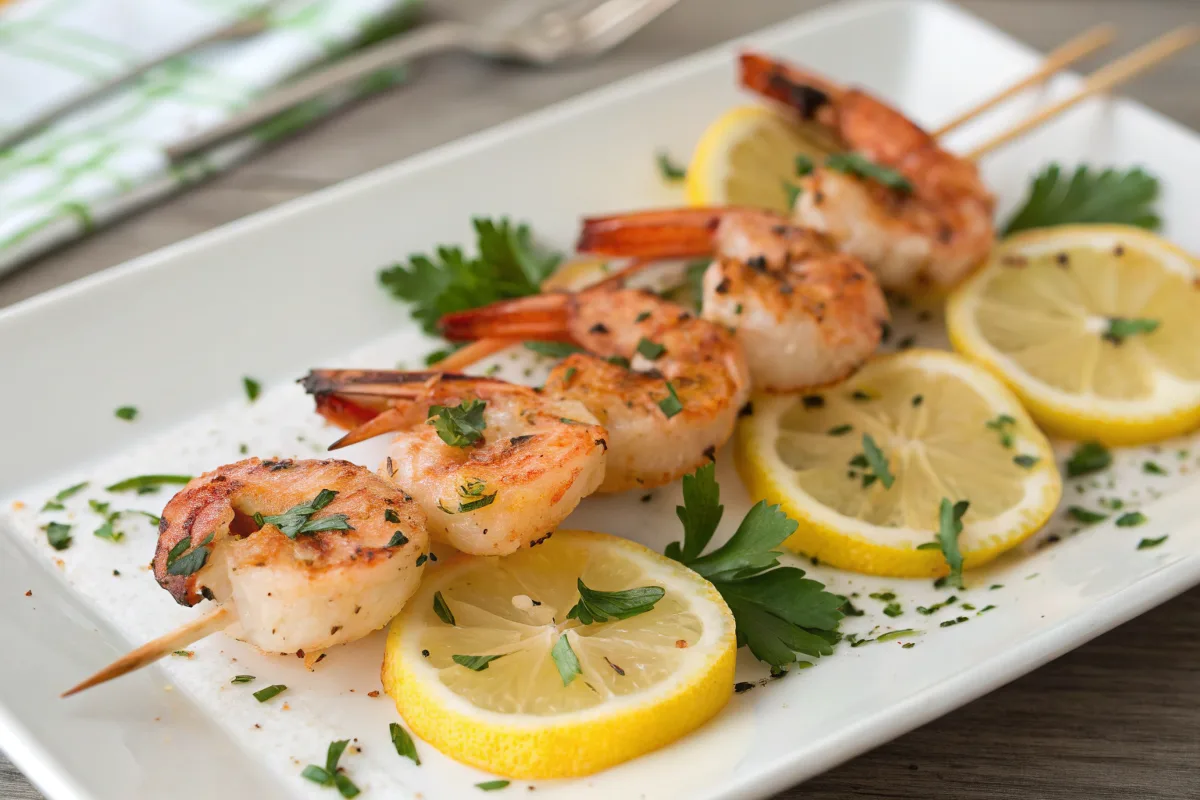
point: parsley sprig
(509, 264)
(778, 611)
(1088, 195)
(860, 166)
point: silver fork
(538, 32)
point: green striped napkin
(107, 158)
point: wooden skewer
(1098, 82)
(164, 645)
(1065, 55)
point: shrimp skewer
(535, 458)
(665, 385)
(805, 313)
(929, 234)
(299, 556)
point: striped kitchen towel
(107, 158)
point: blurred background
(100, 186)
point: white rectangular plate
(273, 295)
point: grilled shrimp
(536, 456)
(667, 387)
(931, 236)
(805, 313)
(308, 554)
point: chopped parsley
(1152, 468)
(390, 515)
(58, 534)
(1026, 461)
(253, 388)
(461, 425)
(1088, 457)
(398, 540)
(144, 483)
(873, 463)
(475, 663)
(442, 610)
(1121, 328)
(670, 404)
(900, 634)
(298, 519)
(839, 430)
(553, 349)
(803, 165)
(565, 660)
(330, 775)
(936, 607)
(949, 528)
(56, 503)
(1086, 516)
(242, 679)
(1130, 519)
(1003, 425)
(180, 564)
(668, 169)
(403, 743)
(862, 167)
(791, 193)
(509, 265)
(1146, 544)
(263, 695)
(127, 413)
(893, 609)
(1088, 196)
(491, 786)
(598, 606)
(778, 611)
(649, 350)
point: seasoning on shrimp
(918, 215)
(805, 313)
(663, 404)
(531, 457)
(304, 553)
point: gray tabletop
(1117, 718)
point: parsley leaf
(1146, 544)
(298, 519)
(1003, 425)
(253, 388)
(403, 743)
(1086, 516)
(461, 425)
(649, 350)
(1121, 328)
(949, 527)
(58, 534)
(877, 462)
(441, 609)
(597, 606)
(263, 695)
(565, 660)
(553, 349)
(670, 404)
(193, 562)
(127, 413)
(509, 265)
(863, 167)
(1088, 457)
(670, 171)
(475, 663)
(803, 165)
(329, 774)
(242, 679)
(778, 611)
(1088, 196)
(1130, 519)
(144, 483)
(491, 786)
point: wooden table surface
(1117, 718)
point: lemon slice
(576, 275)
(946, 428)
(746, 157)
(1094, 326)
(643, 682)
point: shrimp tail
(671, 233)
(394, 419)
(544, 317)
(804, 92)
